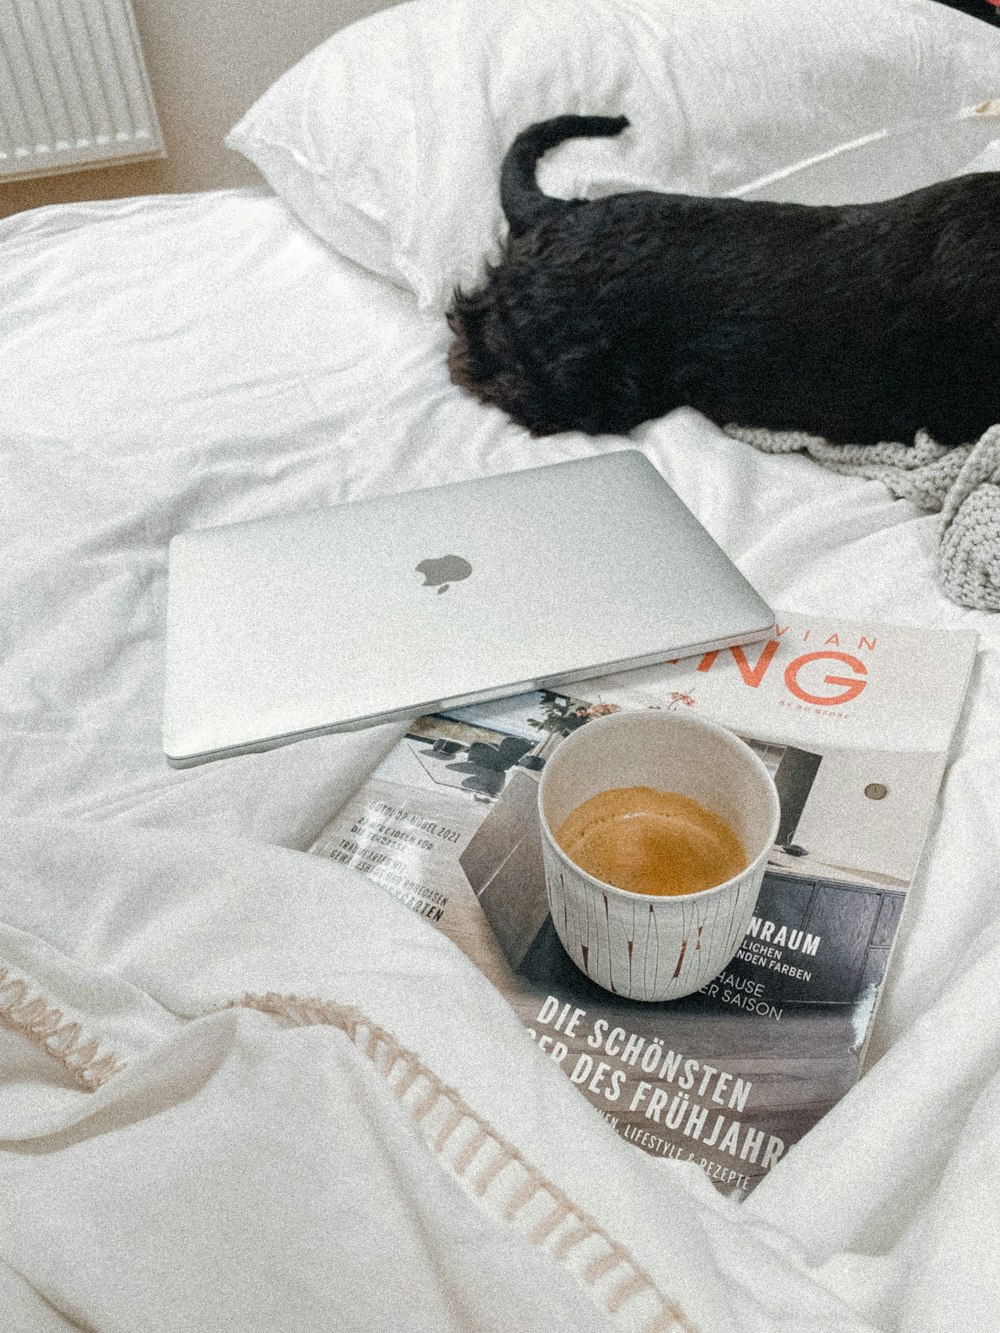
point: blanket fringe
(47, 1027)
(493, 1169)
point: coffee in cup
(656, 828)
(651, 841)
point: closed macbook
(375, 610)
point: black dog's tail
(524, 204)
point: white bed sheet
(184, 361)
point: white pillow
(387, 139)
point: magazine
(853, 722)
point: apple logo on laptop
(444, 571)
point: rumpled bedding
(239, 1086)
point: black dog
(859, 323)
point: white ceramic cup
(637, 945)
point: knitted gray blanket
(962, 484)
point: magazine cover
(854, 724)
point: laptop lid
(286, 628)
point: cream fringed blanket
(962, 483)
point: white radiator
(74, 91)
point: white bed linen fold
(193, 360)
(238, 1173)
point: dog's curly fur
(859, 323)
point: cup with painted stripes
(648, 893)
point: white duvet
(178, 1151)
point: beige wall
(208, 61)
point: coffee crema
(648, 841)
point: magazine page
(854, 724)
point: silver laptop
(286, 628)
